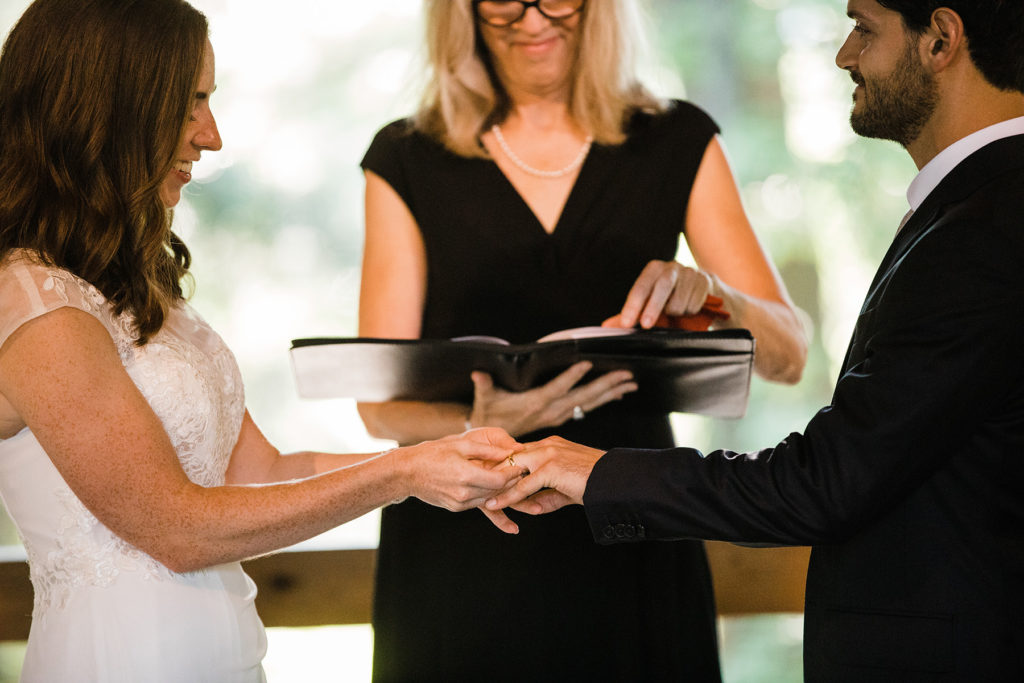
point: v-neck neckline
(590, 173)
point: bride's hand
(459, 472)
(549, 405)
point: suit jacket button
(609, 532)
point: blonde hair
(463, 96)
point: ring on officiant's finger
(577, 413)
(511, 461)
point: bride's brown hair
(95, 96)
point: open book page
(482, 339)
(588, 332)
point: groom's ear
(943, 41)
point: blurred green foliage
(824, 202)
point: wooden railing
(314, 588)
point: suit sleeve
(938, 357)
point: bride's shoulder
(30, 288)
(24, 271)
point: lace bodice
(190, 379)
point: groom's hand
(558, 474)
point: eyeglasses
(504, 13)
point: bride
(134, 474)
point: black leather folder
(677, 371)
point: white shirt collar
(946, 160)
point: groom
(910, 485)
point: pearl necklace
(523, 166)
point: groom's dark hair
(994, 30)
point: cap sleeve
(392, 153)
(29, 289)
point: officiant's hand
(558, 471)
(550, 405)
(664, 288)
(462, 471)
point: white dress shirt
(946, 160)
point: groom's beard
(898, 106)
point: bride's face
(535, 54)
(200, 134)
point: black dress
(456, 599)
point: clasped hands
(546, 475)
(534, 478)
(553, 474)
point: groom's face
(895, 95)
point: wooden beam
(308, 588)
(757, 580)
(15, 598)
(314, 588)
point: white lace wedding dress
(104, 610)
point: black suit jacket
(910, 485)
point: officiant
(541, 186)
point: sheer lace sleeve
(29, 289)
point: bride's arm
(255, 460)
(62, 374)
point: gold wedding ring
(511, 461)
